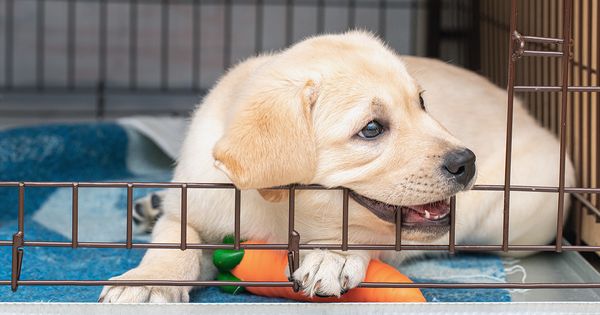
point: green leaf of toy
(231, 289)
(228, 239)
(227, 259)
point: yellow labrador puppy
(402, 133)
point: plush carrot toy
(270, 265)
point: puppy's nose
(460, 166)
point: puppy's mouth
(430, 214)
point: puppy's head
(342, 110)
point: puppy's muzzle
(459, 166)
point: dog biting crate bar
(518, 53)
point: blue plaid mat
(111, 152)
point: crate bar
(258, 26)
(398, 241)
(382, 26)
(413, 12)
(164, 44)
(521, 188)
(237, 220)
(71, 22)
(352, 14)
(320, 16)
(589, 116)
(345, 220)
(291, 213)
(102, 41)
(74, 215)
(597, 101)
(227, 34)
(149, 282)
(196, 37)
(495, 49)
(587, 204)
(133, 43)
(536, 285)
(102, 68)
(183, 228)
(546, 67)
(578, 221)
(452, 235)
(129, 215)
(18, 242)
(377, 247)
(289, 22)
(198, 283)
(585, 89)
(542, 40)
(293, 237)
(40, 44)
(9, 43)
(509, 124)
(579, 49)
(21, 214)
(304, 3)
(567, 6)
(148, 245)
(475, 39)
(542, 53)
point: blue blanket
(111, 152)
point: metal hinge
(518, 47)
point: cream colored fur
(292, 117)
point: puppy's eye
(422, 102)
(372, 130)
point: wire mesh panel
(107, 58)
(539, 78)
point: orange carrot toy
(270, 265)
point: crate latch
(294, 258)
(17, 260)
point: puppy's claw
(304, 280)
(317, 286)
(345, 284)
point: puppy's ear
(270, 140)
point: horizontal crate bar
(541, 53)
(557, 89)
(494, 285)
(109, 90)
(543, 40)
(522, 188)
(487, 248)
(125, 185)
(308, 3)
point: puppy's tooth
(427, 215)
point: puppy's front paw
(142, 294)
(324, 273)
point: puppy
(402, 133)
